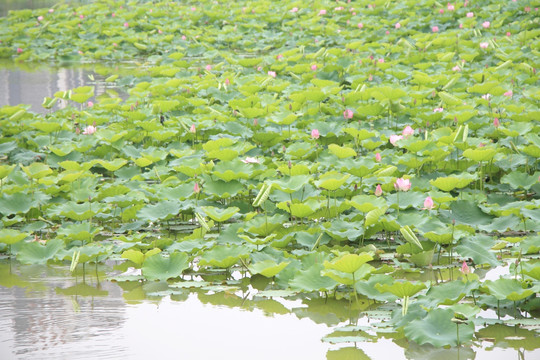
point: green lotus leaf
(310, 280)
(222, 189)
(220, 215)
(78, 232)
(37, 170)
(450, 292)
(112, 165)
(348, 263)
(89, 252)
(301, 210)
(373, 216)
(401, 288)
(467, 212)
(387, 93)
(161, 211)
(331, 181)
(159, 267)
(5, 170)
(223, 256)
(478, 249)
(349, 278)
(137, 256)
(81, 94)
(366, 203)
(450, 183)
(18, 203)
(79, 212)
(76, 166)
(12, 236)
(36, 253)
(267, 268)
(507, 289)
(257, 240)
(341, 152)
(438, 329)
(292, 183)
(480, 155)
(46, 127)
(367, 287)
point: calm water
(48, 313)
(30, 84)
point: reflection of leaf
(438, 329)
(82, 289)
(510, 337)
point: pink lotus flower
(279, 57)
(484, 45)
(394, 139)
(255, 122)
(19, 50)
(192, 129)
(51, 11)
(428, 203)
(208, 67)
(381, 60)
(465, 269)
(348, 114)
(183, 37)
(509, 93)
(314, 67)
(40, 18)
(315, 134)
(126, 24)
(508, 33)
(441, 11)
(160, 31)
(81, 16)
(90, 104)
(408, 131)
(397, 25)
(486, 24)
(227, 81)
(293, 10)
(456, 68)
(360, 25)
(378, 190)
(439, 109)
(402, 184)
(322, 12)
(251, 160)
(486, 96)
(470, 14)
(378, 157)
(272, 74)
(496, 122)
(450, 7)
(196, 188)
(89, 130)
(435, 29)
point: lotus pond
(370, 167)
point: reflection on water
(48, 313)
(31, 84)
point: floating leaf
(159, 267)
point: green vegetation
(347, 152)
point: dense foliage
(333, 148)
